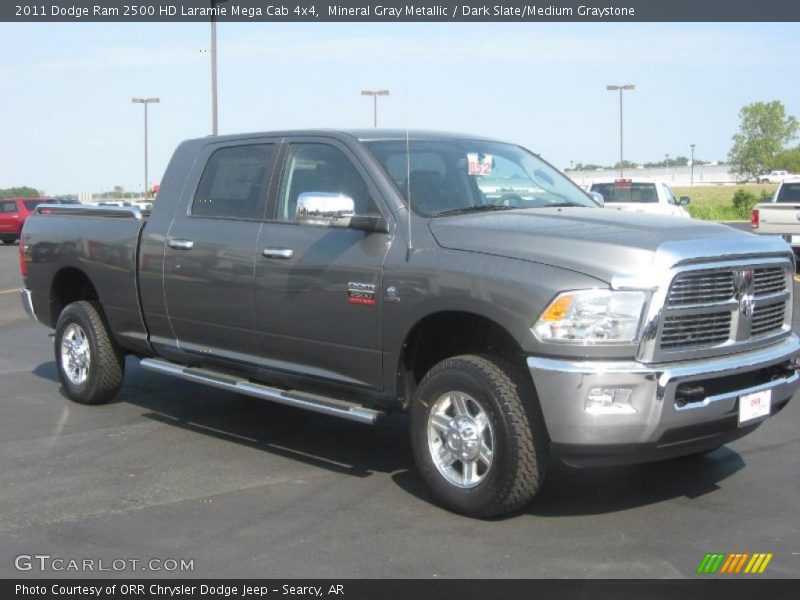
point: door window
(234, 182)
(670, 196)
(321, 168)
(8, 207)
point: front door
(318, 289)
(210, 255)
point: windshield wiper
(473, 208)
(564, 204)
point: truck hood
(596, 242)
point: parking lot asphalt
(245, 488)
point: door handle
(277, 252)
(181, 244)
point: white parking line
(9, 291)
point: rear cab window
(235, 182)
(627, 192)
(790, 192)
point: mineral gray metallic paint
(224, 304)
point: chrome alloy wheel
(460, 439)
(75, 354)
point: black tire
(9, 241)
(106, 365)
(519, 436)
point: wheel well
(69, 285)
(447, 334)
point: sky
(67, 124)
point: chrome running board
(312, 402)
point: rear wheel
(478, 437)
(90, 364)
(8, 241)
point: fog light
(607, 401)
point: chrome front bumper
(27, 303)
(656, 420)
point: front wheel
(9, 241)
(90, 364)
(478, 436)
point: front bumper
(659, 423)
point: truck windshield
(790, 192)
(445, 177)
(627, 192)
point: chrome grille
(767, 319)
(701, 288)
(695, 330)
(716, 310)
(769, 280)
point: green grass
(715, 202)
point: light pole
(620, 88)
(374, 94)
(145, 101)
(692, 176)
(214, 117)
(666, 164)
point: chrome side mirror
(325, 209)
(597, 197)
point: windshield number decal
(478, 167)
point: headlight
(592, 317)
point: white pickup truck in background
(640, 195)
(780, 214)
(775, 177)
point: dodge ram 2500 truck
(354, 273)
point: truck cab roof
(362, 135)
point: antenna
(410, 249)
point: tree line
(760, 145)
(20, 192)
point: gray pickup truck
(288, 266)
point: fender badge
(361, 293)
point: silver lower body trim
(564, 385)
(319, 404)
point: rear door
(209, 259)
(318, 289)
(9, 220)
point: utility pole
(692, 147)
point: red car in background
(13, 212)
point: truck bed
(100, 241)
(775, 218)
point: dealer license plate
(754, 406)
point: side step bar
(312, 402)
